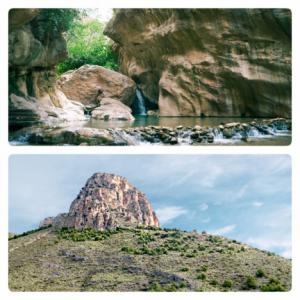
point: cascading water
(139, 107)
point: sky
(243, 197)
(103, 14)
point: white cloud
(213, 173)
(271, 242)
(241, 192)
(224, 230)
(257, 204)
(167, 214)
(287, 253)
(203, 206)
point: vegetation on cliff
(86, 44)
(141, 259)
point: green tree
(86, 44)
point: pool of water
(164, 121)
(276, 137)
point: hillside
(140, 259)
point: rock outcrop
(209, 62)
(108, 201)
(46, 222)
(34, 50)
(91, 83)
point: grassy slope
(137, 259)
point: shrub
(88, 234)
(145, 237)
(15, 236)
(273, 285)
(260, 273)
(227, 283)
(202, 269)
(169, 287)
(185, 269)
(251, 283)
(201, 276)
(190, 255)
(214, 239)
(201, 248)
(145, 250)
(213, 282)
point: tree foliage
(86, 44)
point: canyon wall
(35, 48)
(207, 62)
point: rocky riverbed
(229, 133)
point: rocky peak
(108, 201)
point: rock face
(90, 84)
(46, 222)
(34, 50)
(209, 62)
(108, 201)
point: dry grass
(140, 260)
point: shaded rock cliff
(35, 47)
(209, 62)
(107, 201)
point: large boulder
(210, 62)
(111, 109)
(108, 201)
(90, 84)
(27, 111)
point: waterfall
(139, 104)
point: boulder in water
(111, 109)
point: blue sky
(244, 197)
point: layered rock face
(108, 201)
(209, 62)
(34, 50)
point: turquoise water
(164, 121)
